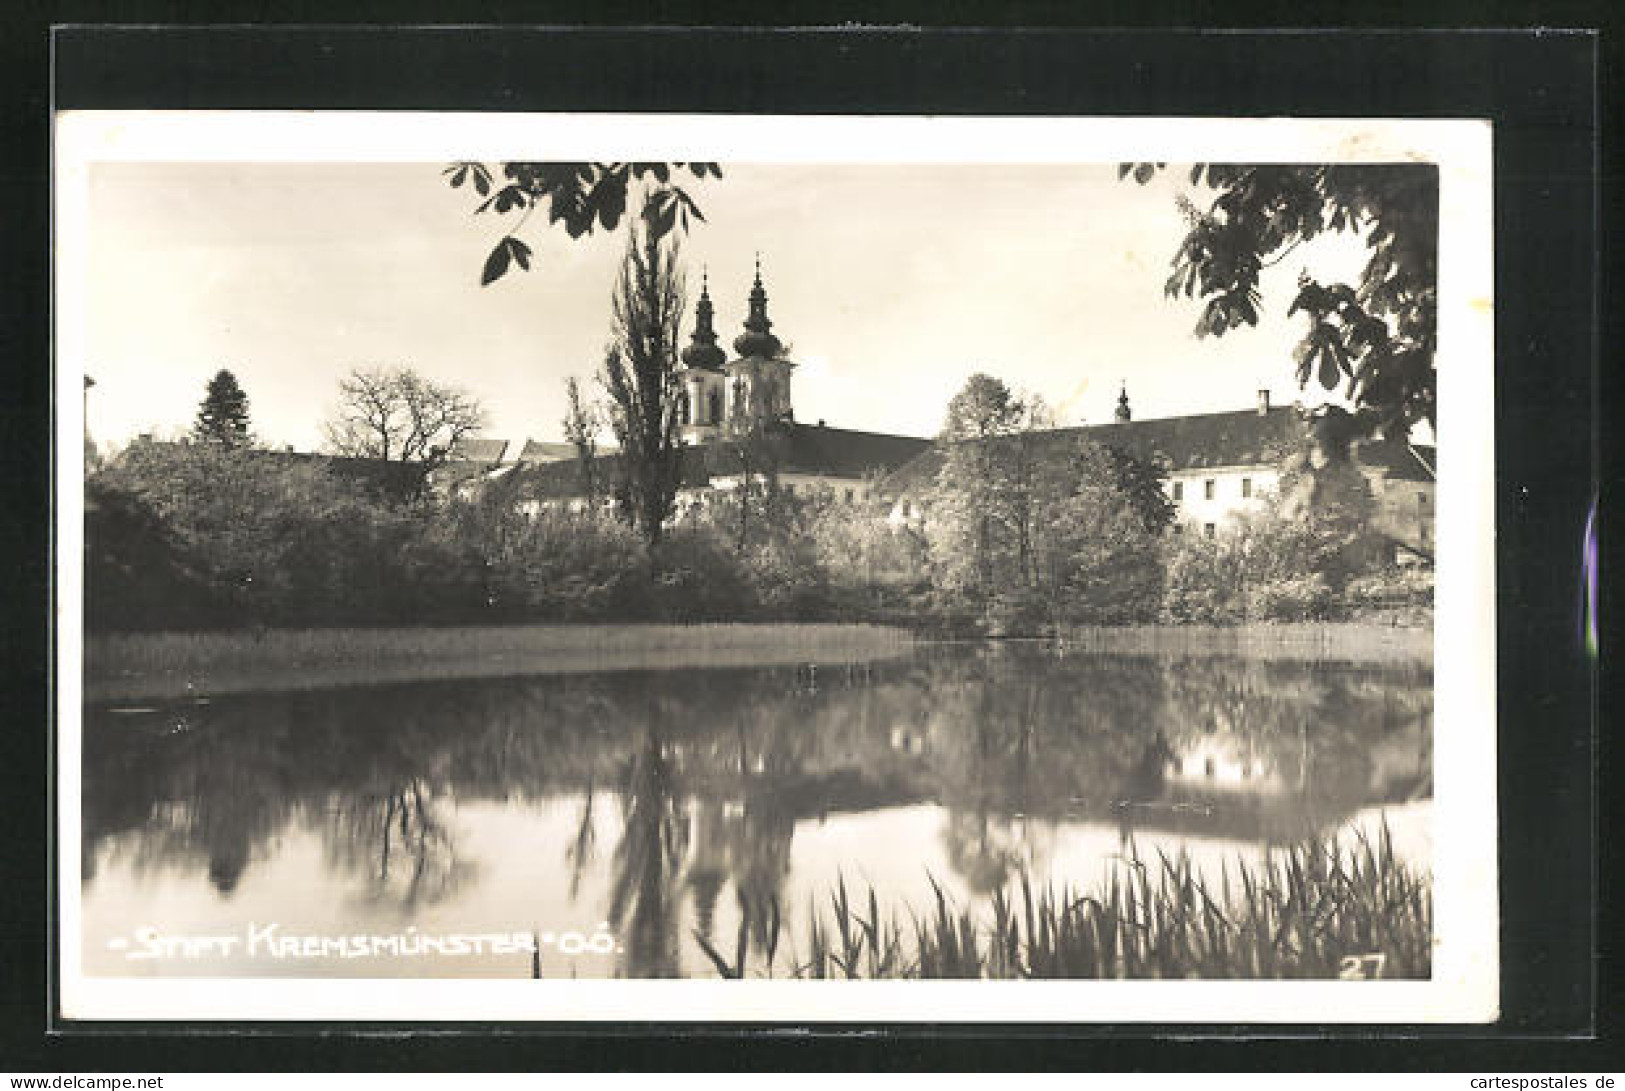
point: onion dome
(758, 340)
(703, 353)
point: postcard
(775, 569)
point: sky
(891, 284)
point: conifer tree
(223, 415)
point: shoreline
(1371, 642)
(172, 665)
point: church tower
(758, 380)
(703, 383)
(1123, 415)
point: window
(716, 407)
(1209, 529)
(1207, 489)
(1246, 486)
(1179, 491)
(849, 496)
(1207, 767)
(789, 489)
(1177, 529)
(1421, 501)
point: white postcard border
(1464, 987)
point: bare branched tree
(398, 416)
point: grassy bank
(1344, 907)
(1351, 641)
(124, 666)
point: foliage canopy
(1374, 340)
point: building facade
(737, 424)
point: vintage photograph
(748, 571)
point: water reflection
(664, 804)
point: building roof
(801, 448)
(537, 451)
(1203, 441)
(478, 449)
(1243, 438)
(1399, 460)
(825, 451)
(562, 478)
(1206, 440)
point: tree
(581, 424)
(1376, 339)
(254, 536)
(222, 417)
(640, 377)
(1141, 481)
(1031, 525)
(981, 486)
(580, 196)
(399, 416)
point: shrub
(1305, 598)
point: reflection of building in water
(910, 739)
(1227, 762)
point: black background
(1542, 92)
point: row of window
(1210, 488)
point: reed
(167, 664)
(1356, 642)
(1325, 908)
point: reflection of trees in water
(582, 851)
(196, 798)
(654, 833)
(398, 841)
(1278, 750)
(714, 769)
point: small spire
(1123, 413)
(703, 352)
(757, 340)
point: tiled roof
(387, 479)
(1399, 461)
(479, 449)
(536, 451)
(802, 448)
(562, 478)
(835, 452)
(1243, 438)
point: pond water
(609, 819)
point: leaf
(521, 252)
(1143, 173)
(458, 178)
(1329, 374)
(497, 263)
(688, 207)
(611, 201)
(510, 197)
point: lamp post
(84, 421)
